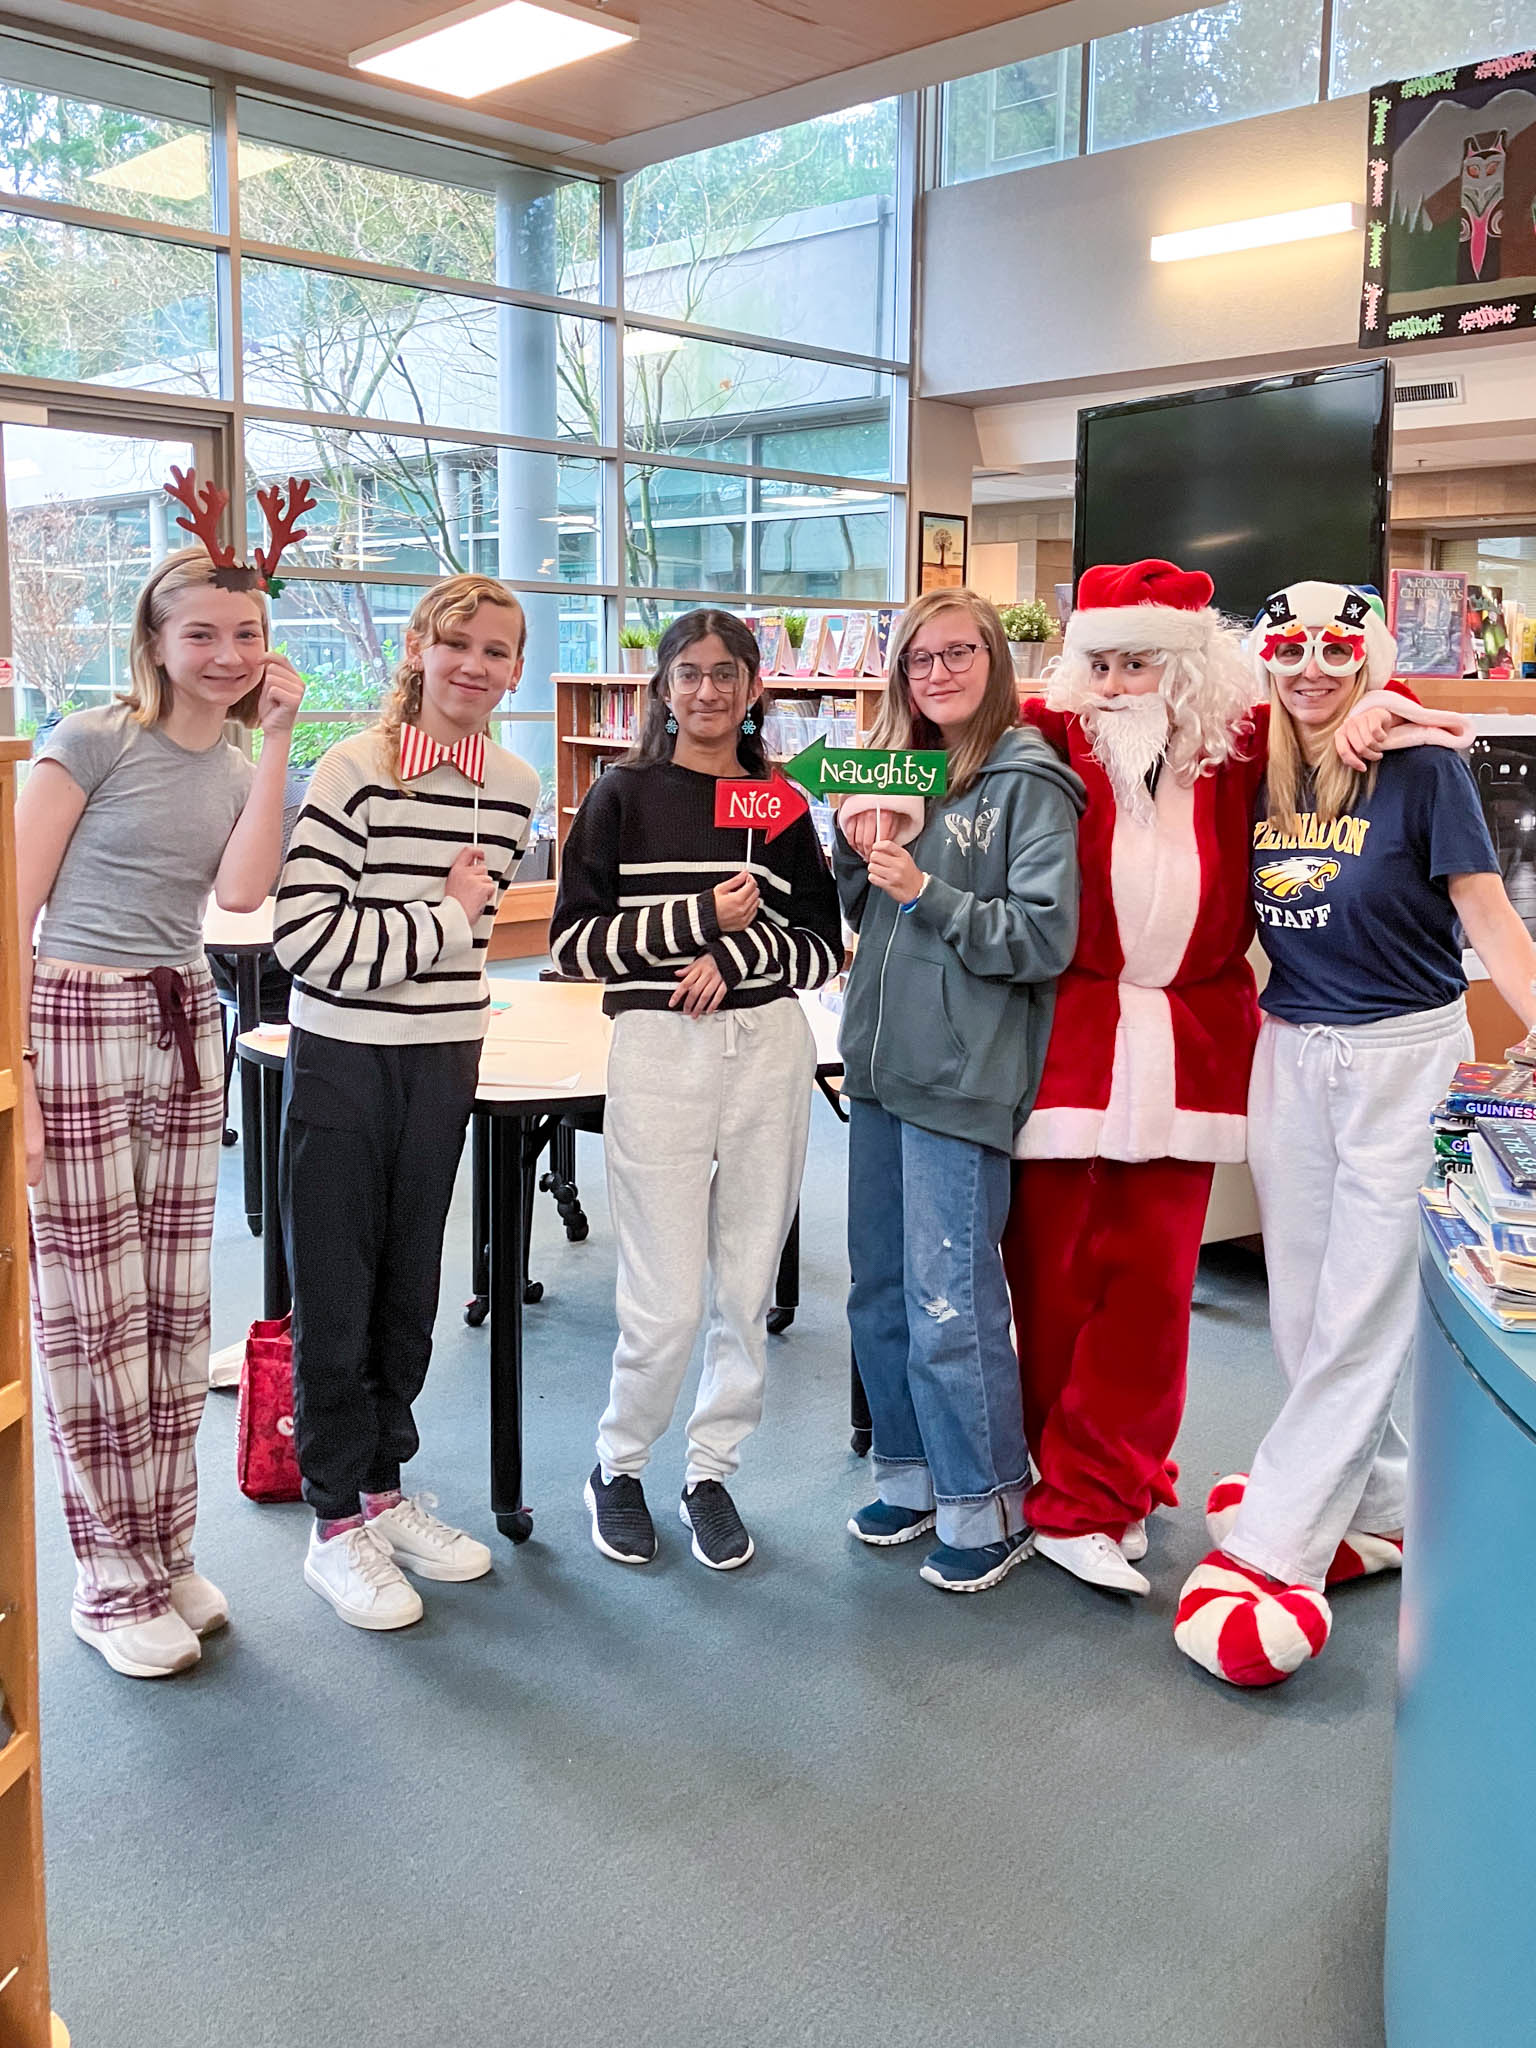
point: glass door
(83, 518)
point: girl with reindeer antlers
(131, 815)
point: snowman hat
(1346, 607)
(1141, 605)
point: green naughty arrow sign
(867, 771)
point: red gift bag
(266, 1467)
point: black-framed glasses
(725, 675)
(957, 658)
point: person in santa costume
(1146, 1077)
(1360, 873)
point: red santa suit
(1144, 1091)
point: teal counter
(1461, 1891)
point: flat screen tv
(1258, 484)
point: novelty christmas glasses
(1287, 650)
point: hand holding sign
(737, 902)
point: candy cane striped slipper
(1360, 1556)
(1246, 1628)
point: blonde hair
(1335, 788)
(453, 602)
(149, 694)
(900, 726)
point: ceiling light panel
(487, 46)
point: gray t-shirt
(137, 873)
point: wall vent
(1441, 391)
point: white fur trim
(1154, 871)
(1105, 628)
(1424, 726)
(905, 812)
(1194, 1134)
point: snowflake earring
(671, 722)
(749, 725)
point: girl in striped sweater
(709, 1078)
(410, 834)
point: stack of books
(1481, 1207)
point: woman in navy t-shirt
(1359, 879)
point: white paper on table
(529, 1064)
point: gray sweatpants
(704, 1136)
(1338, 1143)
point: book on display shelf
(1512, 1247)
(766, 628)
(1496, 1192)
(808, 660)
(1511, 1308)
(834, 627)
(850, 653)
(1483, 1089)
(1514, 1146)
(882, 621)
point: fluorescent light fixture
(493, 43)
(179, 169)
(1266, 232)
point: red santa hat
(1141, 605)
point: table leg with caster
(507, 1235)
(247, 1018)
(560, 1181)
(276, 1295)
(858, 1412)
(478, 1306)
(786, 1291)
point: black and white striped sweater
(378, 953)
(636, 897)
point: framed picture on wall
(1450, 238)
(943, 550)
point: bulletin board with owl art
(1450, 239)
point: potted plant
(635, 644)
(1028, 626)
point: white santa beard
(1129, 736)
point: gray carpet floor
(815, 1801)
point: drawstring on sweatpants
(175, 1025)
(1341, 1052)
(735, 1021)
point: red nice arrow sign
(766, 807)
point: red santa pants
(1101, 1257)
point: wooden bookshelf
(581, 747)
(25, 2021)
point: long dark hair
(655, 743)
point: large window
(1224, 63)
(436, 335)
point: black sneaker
(720, 1539)
(621, 1522)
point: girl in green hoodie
(962, 932)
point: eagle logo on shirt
(1283, 879)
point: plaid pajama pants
(121, 1227)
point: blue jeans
(929, 1313)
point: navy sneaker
(881, 1525)
(972, 1571)
(621, 1522)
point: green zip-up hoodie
(948, 1005)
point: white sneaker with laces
(200, 1604)
(1133, 1544)
(1094, 1559)
(357, 1573)
(427, 1546)
(144, 1649)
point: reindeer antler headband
(206, 503)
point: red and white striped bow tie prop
(420, 754)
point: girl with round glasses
(1360, 875)
(701, 949)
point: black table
(245, 941)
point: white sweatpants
(1339, 1144)
(704, 1135)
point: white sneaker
(200, 1604)
(1133, 1544)
(144, 1649)
(1095, 1559)
(357, 1573)
(431, 1548)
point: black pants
(372, 1137)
